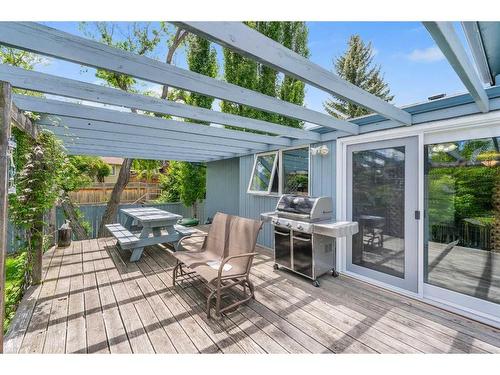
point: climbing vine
(38, 163)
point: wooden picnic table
(158, 227)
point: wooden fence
(100, 193)
(93, 214)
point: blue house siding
(252, 205)
(323, 172)
(223, 187)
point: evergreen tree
(356, 66)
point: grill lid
(296, 204)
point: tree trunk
(109, 215)
(179, 36)
(195, 209)
(71, 214)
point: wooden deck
(91, 301)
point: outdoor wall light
(321, 150)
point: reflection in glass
(378, 199)
(262, 174)
(462, 221)
(296, 171)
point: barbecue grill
(305, 233)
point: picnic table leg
(137, 252)
(171, 230)
(128, 222)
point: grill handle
(281, 233)
(302, 239)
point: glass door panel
(462, 221)
(382, 198)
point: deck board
(93, 300)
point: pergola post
(5, 124)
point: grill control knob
(300, 227)
(289, 225)
(277, 222)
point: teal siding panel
(323, 172)
(223, 187)
(252, 205)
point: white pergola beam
(475, 41)
(252, 44)
(123, 153)
(62, 108)
(51, 42)
(448, 42)
(50, 84)
(76, 127)
(99, 141)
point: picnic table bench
(158, 227)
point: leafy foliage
(356, 66)
(146, 168)
(252, 75)
(183, 182)
(37, 184)
(140, 39)
(186, 181)
(14, 285)
(202, 59)
(19, 58)
(80, 171)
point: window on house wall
(263, 174)
(113, 170)
(295, 165)
(281, 172)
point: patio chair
(223, 261)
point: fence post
(5, 124)
(36, 274)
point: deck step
(125, 238)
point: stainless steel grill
(304, 234)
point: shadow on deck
(93, 301)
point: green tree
(140, 39)
(292, 90)
(20, 58)
(258, 77)
(79, 172)
(146, 168)
(186, 181)
(356, 66)
(201, 58)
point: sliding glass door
(382, 197)
(462, 224)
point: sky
(410, 61)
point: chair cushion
(191, 258)
(210, 273)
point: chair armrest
(179, 243)
(227, 259)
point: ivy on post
(5, 124)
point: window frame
(273, 172)
(279, 164)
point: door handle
(417, 214)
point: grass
(14, 267)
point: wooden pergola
(90, 130)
